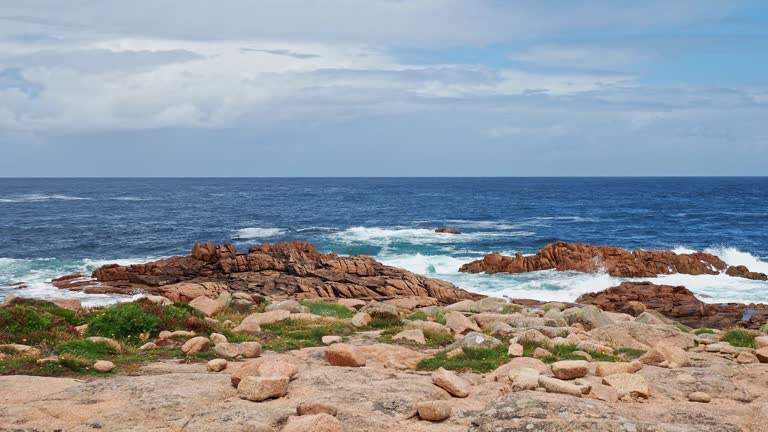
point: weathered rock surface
(293, 269)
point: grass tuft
(479, 360)
(739, 338)
(328, 309)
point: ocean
(52, 227)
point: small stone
(330, 340)
(582, 354)
(416, 336)
(361, 319)
(344, 355)
(762, 354)
(434, 410)
(313, 423)
(699, 397)
(82, 329)
(216, 365)
(524, 378)
(247, 369)
(761, 342)
(604, 393)
(515, 350)
(262, 388)
(226, 350)
(47, 360)
(291, 306)
(451, 383)
(455, 353)
(541, 353)
(196, 345)
(570, 369)
(103, 366)
(24, 350)
(148, 346)
(312, 408)
(554, 385)
(475, 340)
(249, 349)
(252, 323)
(674, 357)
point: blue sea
(52, 227)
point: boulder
(434, 410)
(570, 369)
(278, 368)
(252, 323)
(321, 422)
(641, 336)
(450, 382)
(459, 323)
(672, 356)
(361, 319)
(246, 369)
(762, 354)
(196, 345)
(515, 350)
(475, 340)
(330, 340)
(427, 327)
(603, 369)
(292, 306)
(249, 349)
(588, 316)
(447, 230)
(103, 366)
(761, 342)
(554, 385)
(259, 389)
(216, 365)
(524, 379)
(344, 355)
(699, 397)
(206, 306)
(226, 350)
(217, 338)
(115, 345)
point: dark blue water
(52, 226)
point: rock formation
(614, 261)
(292, 269)
(678, 303)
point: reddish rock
(294, 269)
(587, 258)
(678, 303)
(447, 230)
(743, 271)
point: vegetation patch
(703, 331)
(433, 339)
(381, 323)
(739, 338)
(29, 325)
(328, 309)
(124, 321)
(628, 353)
(471, 359)
(85, 349)
(289, 335)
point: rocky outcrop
(292, 269)
(447, 230)
(678, 303)
(743, 271)
(612, 260)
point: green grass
(85, 349)
(381, 323)
(683, 328)
(628, 353)
(479, 360)
(289, 335)
(739, 338)
(432, 339)
(328, 309)
(703, 331)
(566, 352)
(417, 316)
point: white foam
(417, 236)
(40, 198)
(733, 256)
(131, 198)
(429, 265)
(251, 233)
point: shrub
(123, 321)
(704, 331)
(85, 349)
(384, 323)
(18, 323)
(417, 316)
(739, 338)
(290, 335)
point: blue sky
(383, 88)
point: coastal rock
(361, 319)
(226, 350)
(416, 336)
(312, 408)
(216, 365)
(207, 306)
(196, 345)
(699, 397)
(570, 369)
(641, 336)
(103, 366)
(293, 269)
(475, 340)
(603, 369)
(554, 385)
(743, 271)
(115, 345)
(278, 368)
(447, 230)
(671, 356)
(587, 258)
(459, 323)
(628, 384)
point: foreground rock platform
(292, 269)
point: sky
(383, 88)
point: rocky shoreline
(283, 338)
